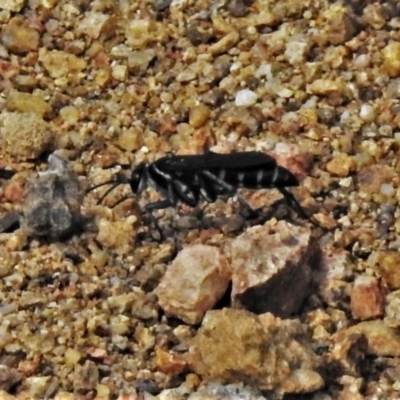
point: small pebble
(245, 98)
(341, 165)
(198, 115)
(24, 135)
(391, 57)
(18, 38)
(13, 5)
(225, 43)
(387, 189)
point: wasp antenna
(114, 184)
(107, 192)
(119, 201)
(100, 185)
(119, 180)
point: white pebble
(284, 92)
(310, 103)
(345, 118)
(362, 60)
(290, 117)
(385, 130)
(245, 98)
(346, 182)
(252, 30)
(264, 70)
(233, 137)
(236, 66)
(387, 189)
(367, 113)
(296, 50)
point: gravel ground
(108, 84)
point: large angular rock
(272, 268)
(262, 351)
(193, 283)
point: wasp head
(138, 181)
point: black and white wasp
(191, 179)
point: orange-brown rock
(169, 362)
(367, 298)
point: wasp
(191, 179)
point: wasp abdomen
(257, 178)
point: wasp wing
(210, 160)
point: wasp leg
(171, 201)
(232, 191)
(295, 205)
(108, 191)
(157, 205)
(252, 212)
